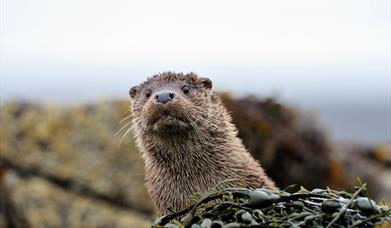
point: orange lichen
(337, 179)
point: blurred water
(352, 104)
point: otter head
(170, 104)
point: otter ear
(133, 92)
(206, 82)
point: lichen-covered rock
(42, 204)
(370, 164)
(289, 144)
(75, 145)
(294, 149)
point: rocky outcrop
(294, 149)
(288, 144)
(36, 202)
(74, 148)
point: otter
(188, 141)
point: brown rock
(42, 204)
(75, 146)
(290, 144)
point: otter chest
(172, 186)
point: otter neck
(195, 147)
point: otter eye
(186, 89)
(148, 93)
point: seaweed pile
(241, 207)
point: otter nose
(164, 96)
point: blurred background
(313, 76)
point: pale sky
(199, 32)
(333, 52)
(44, 38)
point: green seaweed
(240, 207)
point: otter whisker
(126, 118)
(123, 137)
(122, 128)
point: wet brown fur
(194, 153)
